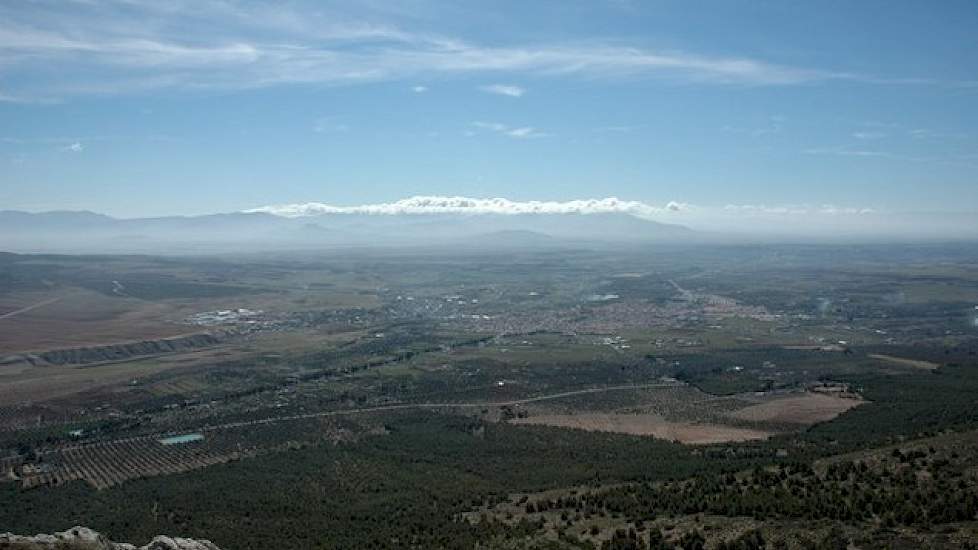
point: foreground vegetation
(411, 486)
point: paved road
(382, 408)
(407, 406)
(687, 295)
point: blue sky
(137, 108)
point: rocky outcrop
(116, 352)
(83, 538)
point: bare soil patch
(915, 363)
(804, 409)
(76, 318)
(692, 433)
(40, 384)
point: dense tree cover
(917, 488)
(913, 488)
(410, 486)
(405, 488)
(910, 405)
(714, 373)
(689, 540)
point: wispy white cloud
(136, 45)
(5, 98)
(419, 89)
(75, 147)
(926, 133)
(504, 89)
(948, 159)
(67, 141)
(881, 129)
(494, 126)
(521, 132)
(833, 210)
(525, 132)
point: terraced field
(105, 464)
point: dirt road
(16, 312)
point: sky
(728, 108)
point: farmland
(472, 385)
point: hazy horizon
(731, 223)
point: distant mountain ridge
(238, 231)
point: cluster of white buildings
(224, 317)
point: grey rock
(83, 538)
